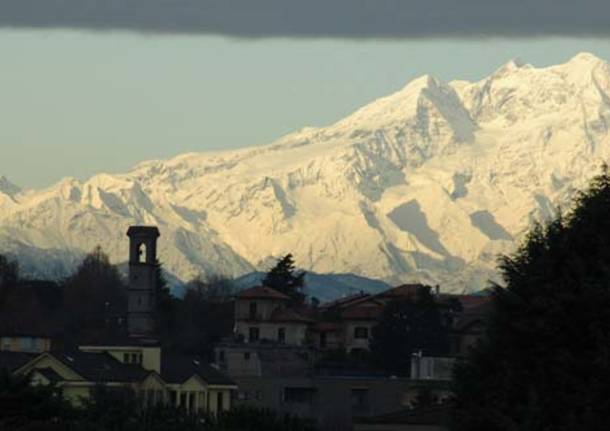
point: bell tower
(142, 280)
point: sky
(99, 90)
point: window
(299, 395)
(253, 309)
(361, 332)
(141, 253)
(126, 358)
(134, 358)
(253, 334)
(247, 356)
(281, 335)
(221, 356)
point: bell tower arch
(142, 280)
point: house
(135, 361)
(262, 314)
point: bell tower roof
(143, 231)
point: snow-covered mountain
(428, 184)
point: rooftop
(262, 292)
(179, 368)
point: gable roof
(400, 292)
(180, 368)
(100, 367)
(345, 301)
(262, 292)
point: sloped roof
(262, 292)
(403, 291)
(14, 360)
(345, 301)
(100, 367)
(179, 368)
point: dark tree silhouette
(545, 363)
(9, 272)
(407, 326)
(95, 296)
(285, 278)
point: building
(262, 314)
(136, 361)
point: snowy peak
(427, 184)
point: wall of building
(295, 333)
(264, 308)
(351, 342)
(333, 401)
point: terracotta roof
(361, 313)
(262, 292)
(288, 315)
(404, 291)
(180, 368)
(345, 301)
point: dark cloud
(318, 18)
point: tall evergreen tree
(408, 326)
(545, 362)
(285, 278)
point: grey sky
(318, 18)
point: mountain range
(429, 184)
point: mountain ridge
(427, 184)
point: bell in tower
(142, 280)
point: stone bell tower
(142, 280)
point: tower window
(281, 335)
(142, 253)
